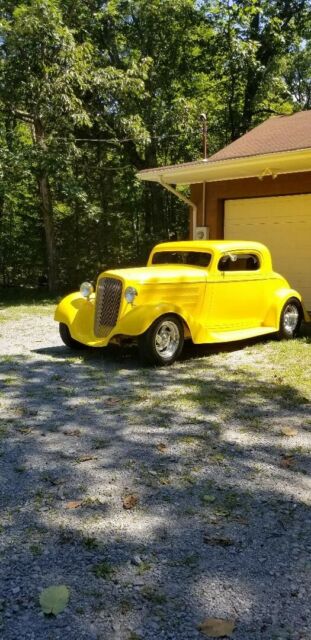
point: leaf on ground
(222, 542)
(72, 432)
(129, 501)
(216, 627)
(25, 430)
(287, 461)
(239, 519)
(161, 447)
(85, 458)
(54, 599)
(54, 480)
(289, 431)
(208, 498)
(112, 401)
(73, 504)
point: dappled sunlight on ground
(222, 524)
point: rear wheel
(290, 320)
(162, 343)
(67, 339)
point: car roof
(211, 245)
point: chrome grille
(108, 298)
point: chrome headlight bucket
(86, 289)
(130, 294)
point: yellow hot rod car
(208, 291)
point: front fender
(280, 298)
(140, 318)
(77, 313)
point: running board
(241, 334)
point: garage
(258, 187)
(282, 223)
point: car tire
(162, 343)
(290, 319)
(67, 339)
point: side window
(239, 262)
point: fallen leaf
(72, 432)
(222, 542)
(112, 401)
(85, 458)
(54, 599)
(208, 498)
(289, 431)
(73, 504)
(55, 481)
(25, 430)
(161, 447)
(216, 627)
(129, 501)
(278, 378)
(287, 461)
(239, 519)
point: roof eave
(259, 166)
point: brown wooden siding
(218, 192)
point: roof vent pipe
(203, 119)
(204, 137)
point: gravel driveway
(211, 456)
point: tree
(91, 92)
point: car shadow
(129, 353)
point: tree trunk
(47, 212)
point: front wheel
(290, 320)
(67, 339)
(162, 343)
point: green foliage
(92, 92)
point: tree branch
(23, 115)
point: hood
(161, 274)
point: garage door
(284, 225)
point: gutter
(256, 166)
(186, 201)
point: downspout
(186, 201)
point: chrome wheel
(162, 343)
(167, 339)
(291, 318)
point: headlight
(86, 289)
(130, 294)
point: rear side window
(193, 258)
(239, 262)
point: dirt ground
(211, 457)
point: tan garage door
(284, 225)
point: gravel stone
(79, 430)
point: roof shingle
(278, 133)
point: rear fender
(281, 296)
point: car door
(237, 294)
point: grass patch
(90, 543)
(19, 296)
(103, 570)
(154, 596)
(19, 312)
(36, 549)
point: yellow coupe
(208, 291)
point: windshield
(193, 258)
